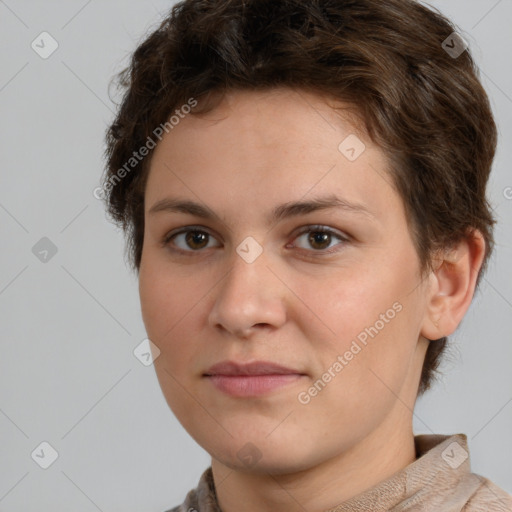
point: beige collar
(440, 479)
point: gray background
(68, 375)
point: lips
(255, 368)
(251, 379)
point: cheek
(353, 302)
(165, 292)
(361, 370)
(373, 323)
(171, 302)
(167, 305)
(165, 299)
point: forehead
(262, 114)
(257, 147)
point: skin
(295, 305)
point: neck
(373, 459)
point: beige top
(439, 480)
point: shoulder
(488, 497)
(202, 498)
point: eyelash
(309, 229)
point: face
(297, 254)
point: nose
(248, 299)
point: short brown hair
(425, 107)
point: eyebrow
(280, 212)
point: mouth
(252, 379)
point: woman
(302, 184)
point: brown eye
(189, 240)
(320, 239)
(196, 239)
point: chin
(262, 455)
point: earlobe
(452, 286)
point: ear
(452, 286)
